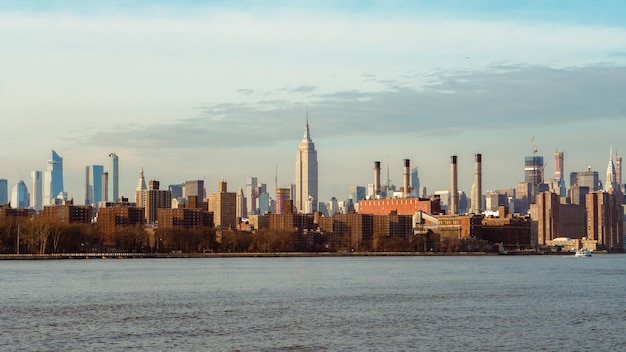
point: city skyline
(192, 91)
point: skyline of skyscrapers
(307, 155)
(306, 174)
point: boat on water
(582, 253)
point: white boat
(582, 253)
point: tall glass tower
(306, 173)
(19, 197)
(53, 179)
(36, 190)
(96, 175)
(4, 191)
(114, 181)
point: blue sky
(205, 90)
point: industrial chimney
(376, 179)
(453, 207)
(477, 187)
(407, 177)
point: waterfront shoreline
(124, 255)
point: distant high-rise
(241, 204)
(282, 196)
(4, 191)
(618, 169)
(141, 186)
(88, 187)
(53, 179)
(533, 170)
(415, 183)
(96, 184)
(585, 178)
(177, 190)
(114, 181)
(36, 190)
(19, 196)
(609, 184)
(559, 173)
(306, 173)
(194, 188)
(152, 199)
(252, 193)
(105, 187)
(223, 204)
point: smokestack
(376, 179)
(477, 187)
(453, 207)
(407, 177)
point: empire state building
(306, 174)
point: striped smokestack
(407, 177)
(376, 179)
(454, 190)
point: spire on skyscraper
(307, 136)
(141, 184)
(306, 172)
(610, 173)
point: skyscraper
(609, 184)
(241, 204)
(559, 173)
(141, 186)
(415, 183)
(223, 204)
(252, 193)
(36, 190)
(114, 181)
(19, 196)
(53, 179)
(282, 195)
(88, 187)
(96, 175)
(4, 191)
(306, 172)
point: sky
(220, 89)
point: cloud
(245, 91)
(498, 99)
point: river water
(460, 303)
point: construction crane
(532, 141)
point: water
(492, 303)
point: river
(456, 303)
